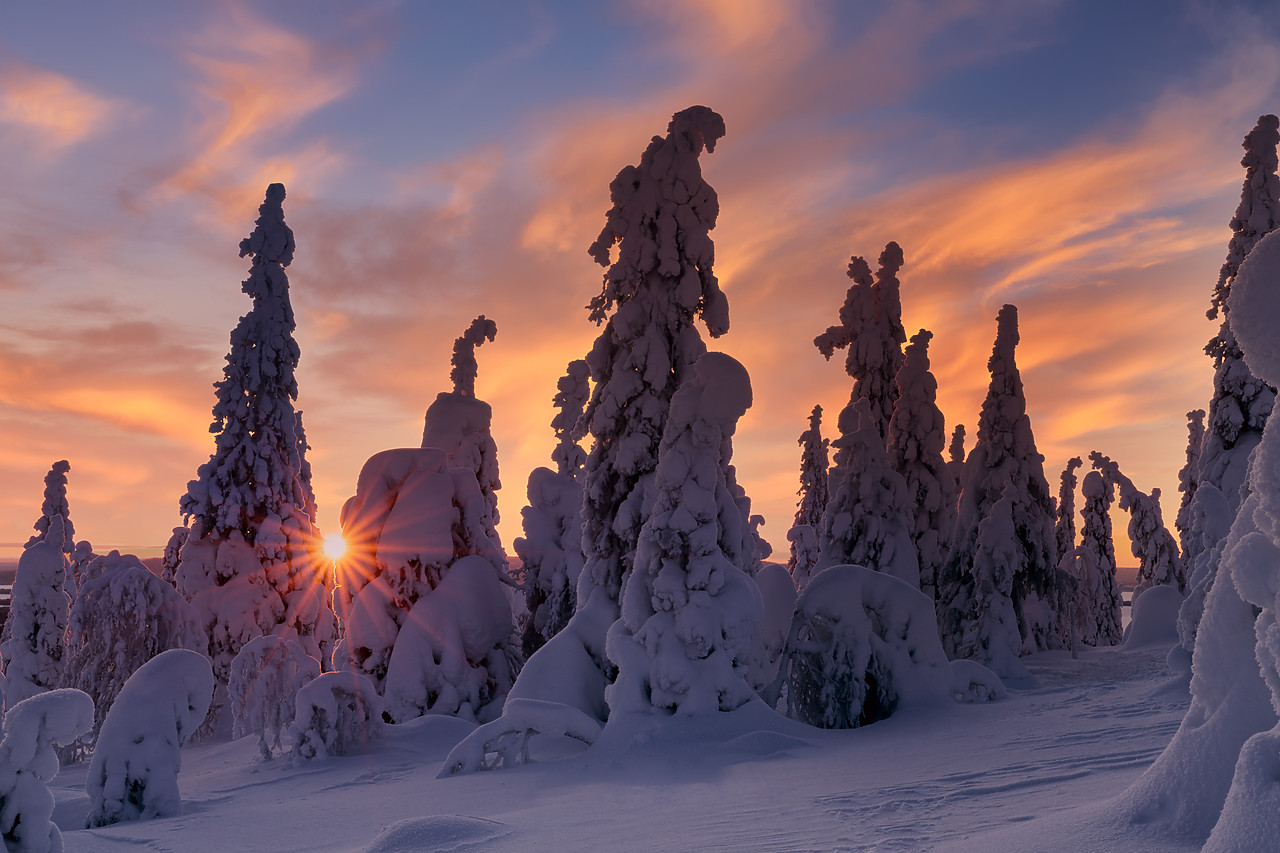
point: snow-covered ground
(1032, 772)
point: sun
(334, 546)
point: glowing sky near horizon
(445, 160)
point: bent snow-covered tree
(458, 423)
(1003, 467)
(1064, 524)
(803, 534)
(249, 565)
(551, 549)
(1241, 401)
(689, 614)
(1151, 542)
(917, 434)
(871, 330)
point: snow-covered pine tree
(32, 652)
(871, 330)
(1064, 524)
(458, 423)
(955, 456)
(55, 504)
(917, 434)
(551, 550)
(689, 613)
(813, 501)
(869, 519)
(1241, 402)
(1004, 465)
(1093, 563)
(1188, 479)
(249, 565)
(1151, 542)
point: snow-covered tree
(249, 565)
(413, 523)
(1158, 560)
(1093, 564)
(1231, 726)
(551, 550)
(122, 617)
(862, 645)
(335, 713)
(172, 557)
(1241, 401)
(689, 613)
(803, 534)
(28, 761)
(1004, 466)
(32, 652)
(917, 435)
(871, 330)
(1064, 524)
(265, 678)
(458, 423)
(869, 519)
(55, 504)
(1188, 479)
(133, 774)
(955, 455)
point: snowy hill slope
(1032, 772)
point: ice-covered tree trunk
(1098, 605)
(458, 423)
(1241, 401)
(250, 565)
(871, 330)
(1234, 686)
(1004, 465)
(917, 434)
(551, 550)
(1188, 479)
(869, 520)
(689, 614)
(803, 535)
(1064, 525)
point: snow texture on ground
(1034, 772)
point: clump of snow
(504, 742)
(32, 650)
(689, 613)
(265, 678)
(28, 761)
(335, 713)
(1155, 618)
(133, 774)
(778, 593)
(123, 617)
(452, 654)
(862, 645)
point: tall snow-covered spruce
(803, 534)
(1064, 524)
(458, 423)
(1241, 401)
(551, 549)
(249, 565)
(689, 614)
(1093, 564)
(917, 434)
(1004, 509)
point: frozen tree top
(572, 392)
(661, 217)
(55, 503)
(464, 355)
(1255, 308)
(1259, 210)
(271, 240)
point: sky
(445, 160)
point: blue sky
(445, 160)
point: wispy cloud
(47, 111)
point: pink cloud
(49, 111)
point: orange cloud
(50, 111)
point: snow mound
(1155, 617)
(1255, 308)
(335, 713)
(441, 833)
